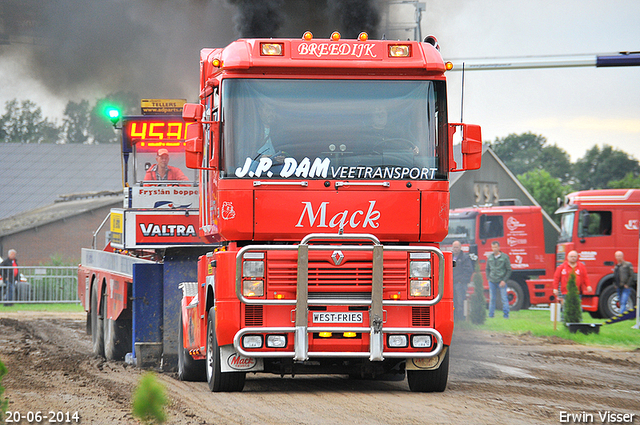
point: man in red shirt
(561, 276)
(162, 170)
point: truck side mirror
(194, 149)
(470, 146)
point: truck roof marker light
(271, 49)
(448, 66)
(335, 36)
(307, 36)
(216, 62)
(399, 50)
(363, 36)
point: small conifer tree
(572, 307)
(478, 313)
(149, 400)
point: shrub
(572, 307)
(149, 400)
(478, 313)
(3, 401)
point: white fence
(40, 284)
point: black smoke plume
(84, 49)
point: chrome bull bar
(375, 329)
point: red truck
(520, 232)
(324, 190)
(597, 223)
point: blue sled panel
(147, 303)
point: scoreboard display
(149, 133)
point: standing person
(461, 277)
(10, 274)
(564, 270)
(162, 170)
(622, 279)
(498, 272)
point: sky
(574, 108)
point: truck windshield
(462, 230)
(566, 226)
(333, 129)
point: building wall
(63, 238)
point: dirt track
(494, 379)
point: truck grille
(353, 274)
(253, 315)
(421, 316)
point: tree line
(82, 122)
(547, 172)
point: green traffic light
(114, 115)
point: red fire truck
(324, 183)
(597, 223)
(520, 232)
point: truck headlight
(253, 288)
(397, 341)
(420, 269)
(421, 341)
(252, 341)
(276, 341)
(420, 288)
(253, 269)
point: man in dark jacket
(498, 272)
(623, 279)
(461, 277)
(10, 274)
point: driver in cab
(387, 137)
(162, 170)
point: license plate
(337, 317)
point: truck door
(595, 244)
(490, 229)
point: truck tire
(608, 306)
(516, 297)
(429, 381)
(117, 336)
(188, 368)
(97, 326)
(219, 381)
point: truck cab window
(491, 227)
(596, 223)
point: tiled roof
(33, 176)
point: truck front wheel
(430, 381)
(515, 294)
(219, 381)
(609, 304)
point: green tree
(149, 400)
(630, 181)
(23, 123)
(76, 122)
(478, 308)
(526, 152)
(545, 189)
(598, 167)
(572, 307)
